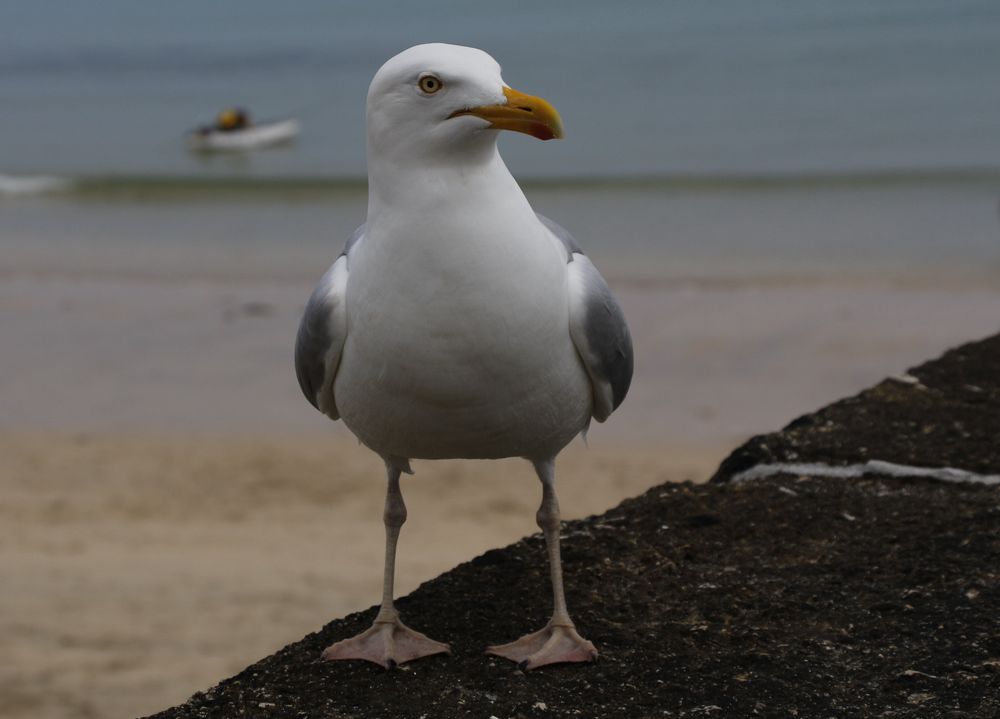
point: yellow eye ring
(429, 84)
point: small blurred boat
(234, 132)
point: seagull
(457, 322)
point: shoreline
(206, 186)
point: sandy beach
(173, 509)
(142, 568)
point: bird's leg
(558, 641)
(388, 641)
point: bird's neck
(473, 183)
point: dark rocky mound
(944, 413)
(791, 596)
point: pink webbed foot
(554, 644)
(386, 643)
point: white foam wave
(31, 184)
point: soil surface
(792, 596)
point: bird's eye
(429, 84)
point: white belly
(461, 353)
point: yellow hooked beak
(522, 113)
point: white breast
(458, 339)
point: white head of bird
(443, 104)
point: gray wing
(322, 333)
(597, 326)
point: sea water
(645, 88)
(725, 135)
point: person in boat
(232, 119)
